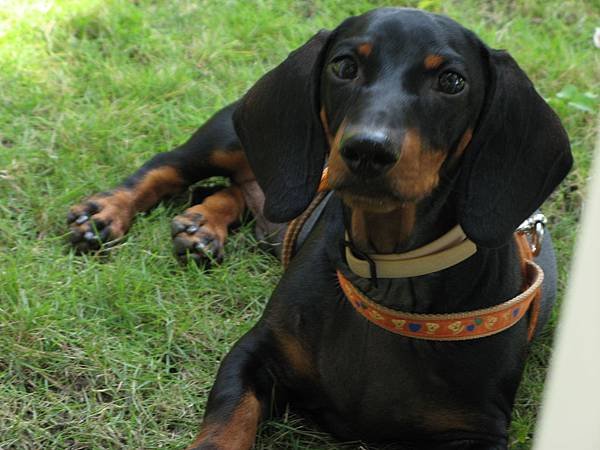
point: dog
(430, 139)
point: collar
(457, 326)
(446, 251)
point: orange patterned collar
(458, 326)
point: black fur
(278, 124)
(518, 155)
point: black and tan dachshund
(423, 128)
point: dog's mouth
(374, 195)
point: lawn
(121, 351)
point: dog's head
(404, 101)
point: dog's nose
(368, 154)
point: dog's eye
(344, 68)
(451, 83)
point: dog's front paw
(101, 219)
(197, 238)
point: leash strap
(295, 226)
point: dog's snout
(368, 154)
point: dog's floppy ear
(278, 124)
(519, 153)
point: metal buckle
(533, 228)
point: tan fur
(390, 221)
(382, 232)
(295, 354)
(156, 184)
(365, 49)
(462, 144)
(219, 211)
(416, 174)
(337, 168)
(432, 62)
(239, 432)
(117, 209)
(234, 161)
(325, 124)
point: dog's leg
(213, 150)
(239, 399)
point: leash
(442, 253)
(295, 226)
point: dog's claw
(177, 227)
(82, 219)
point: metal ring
(534, 227)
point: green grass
(120, 352)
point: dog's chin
(377, 195)
(377, 202)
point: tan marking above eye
(365, 49)
(432, 62)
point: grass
(120, 352)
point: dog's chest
(392, 384)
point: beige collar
(446, 251)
